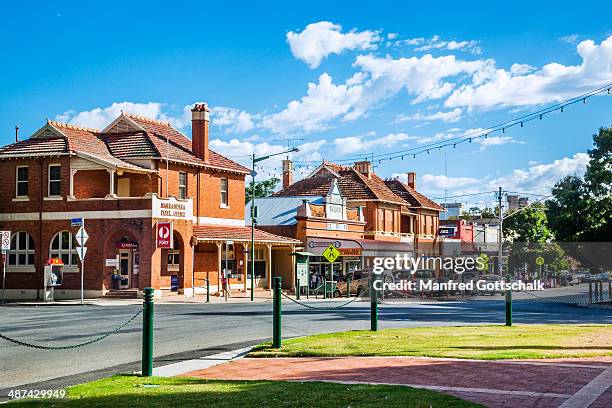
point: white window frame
(182, 186)
(27, 251)
(71, 251)
(221, 192)
(55, 181)
(17, 181)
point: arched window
(174, 257)
(63, 245)
(22, 250)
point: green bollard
(147, 333)
(508, 305)
(276, 318)
(373, 307)
(207, 290)
(297, 290)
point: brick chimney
(411, 180)
(199, 131)
(287, 173)
(364, 167)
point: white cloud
(99, 118)
(318, 40)
(422, 77)
(232, 119)
(570, 39)
(540, 178)
(356, 144)
(521, 69)
(553, 82)
(442, 181)
(436, 43)
(447, 117)
(495, 141)
(323, 102)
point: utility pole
(501, 234)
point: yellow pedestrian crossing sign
(331, 253)
(539, 261)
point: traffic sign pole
(6, 245)
(3, 274)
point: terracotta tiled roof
(178, 148)
(36, 147)
(243, 234)
(62, 138)
(413, 197)
(353, 185)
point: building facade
(123, 181)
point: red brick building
(397, 218)
(122, 181)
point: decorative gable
(122, 125)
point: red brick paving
(529, 384)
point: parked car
(360, 282)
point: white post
(3, 274)
(82, 261)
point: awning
(216, 233)
(303, 253)
(384, 248)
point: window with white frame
(182, 185)
(64, 245)
(55, 180)
(21, 181)
(224, 193)
(174, 257)
(22, 250)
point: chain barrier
(72, 346)
(325, 307)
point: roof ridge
(147, 119)
(71, 126)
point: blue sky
(349, 78)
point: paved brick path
(521, 383)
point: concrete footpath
(567, 383)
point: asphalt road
(184, 331)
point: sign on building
(164, 235)
(172, 208)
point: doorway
(125, 269)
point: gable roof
(133, 136)
(57, 138)
(353, 185)
(413, 197)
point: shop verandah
(228, 248)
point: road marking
(201, 363)
(456, 389)
(590, 392)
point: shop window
(64, 245)
(224, 193)
(228, 260)
(22, 250)
(55, 180)
(182, 185)
(174, 257)
(260, 264)
(22, 181)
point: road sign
(539, 261)
(6, 240)
(76, 222)
(81, 251)
(331, 253)
(81, 236)
(164, 235)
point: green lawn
(131, 391)
(477, 342)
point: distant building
(453, 211)
(516, 202)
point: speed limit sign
(6, 240)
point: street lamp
(253, 174)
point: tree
(528, 225)
(262, 188)
(581, 209)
